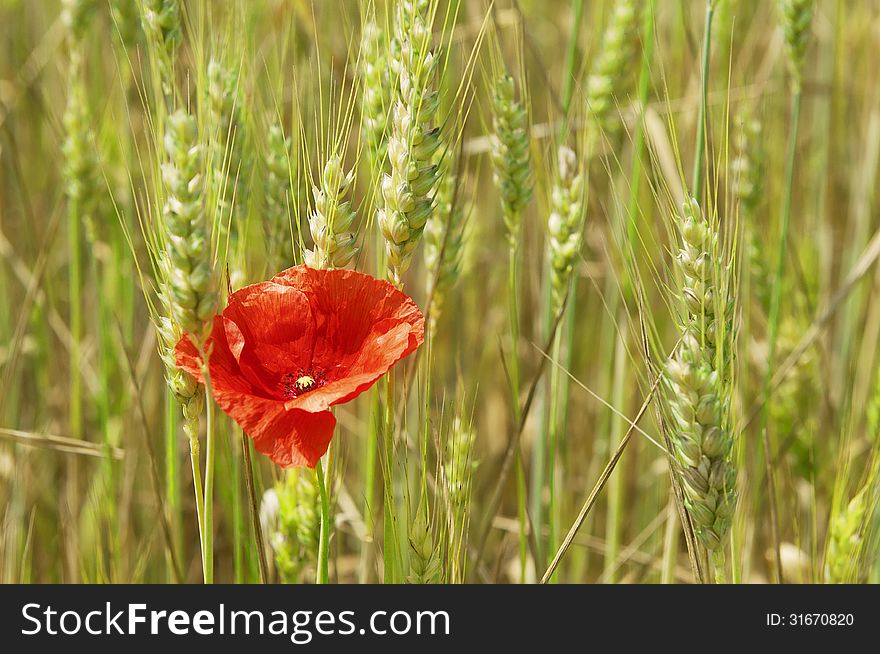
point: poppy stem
(323, 575)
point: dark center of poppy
(294, 384)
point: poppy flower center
(294, 384)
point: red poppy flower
(284, 351)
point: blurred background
(95, 480)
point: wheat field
(588, 291)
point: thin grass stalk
(670, 545)
(670, 540)
(378, 421)
(234, 492)
(513, 371)
(558, 414)
(616, 484)
(104, 409)
(697, 177)
(210, 457)
(389, 540)
(371, 445)
(254, 506)
(172, 479)
(198, 489)
(570, 61)
(323, 567)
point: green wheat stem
(513, 368)
(389, 535)
(194, 457)
(570, 60)
(104, 409)
(323, 572)
(718, 563)
(670, 543)
(550, 466)
(773, 322)
(377, 423)
(75, 296)
(704, 93)
(370, 446)
(210, 456)
(172, 480)
(616, 485)
(238, 552)
(639, 138)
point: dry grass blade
(60, 443)
(590, 502)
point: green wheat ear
(459, 464)
(162, 26)
(81, 171)
(796, 18)
(376, 98)
(425, 564)
(444, 235)
(845, 539)
(291, 523)
(610, 69)
(77, 15)
(330, 223)
(408, 189)
(566, 223)
(187, 287)
(227, 135)
(510, 153)
(190, 285)
(277, 198)
(697, 384)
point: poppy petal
(290, 437)
(366, 325)
(271, 332)
(389, 342)
(225, 371)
